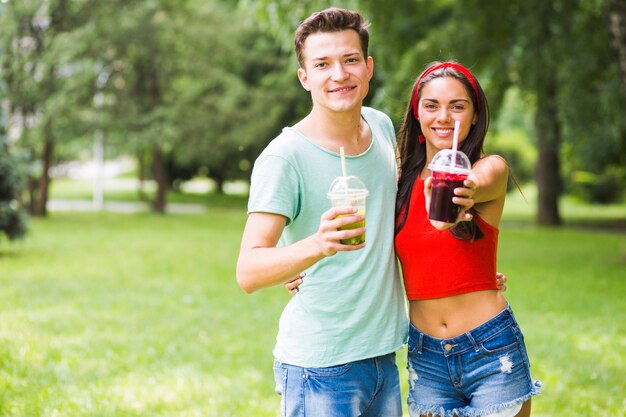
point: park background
(127, 133)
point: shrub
(12, 216)
(603, 188)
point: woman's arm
(490, 174)
(484, 189)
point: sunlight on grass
(567, 288)
(131, 190)
(108, 315)
(522, 206)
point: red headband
(453, 65)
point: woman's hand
(294, 283)
(462, 197)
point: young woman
(466, 352)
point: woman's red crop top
(435, 264)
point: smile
(342, 90)
(442, 132)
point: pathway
(121, 207)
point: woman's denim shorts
(477, 373)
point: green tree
(36, 66)
(233, 103)
(137, 62)
(189, 88)
(616, 16)
(558, 54)
(173, 82)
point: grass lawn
(107, 314)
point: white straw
(455, 138)
(343, 161)
(455, 142)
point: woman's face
(443, 101)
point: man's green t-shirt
(351, 306)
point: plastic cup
(349, 191)
(449, 170)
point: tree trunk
(160, 176)
(149, 93)
(40, 208)
(142, 167)
(219, 183)
(31, 187)
(548, 171)
(617, 29)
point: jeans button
(448, 346)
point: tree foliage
(232, 104)
(559, 54)
(42, 81)
(194, 86)
(181, 84)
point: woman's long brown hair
(412, 154)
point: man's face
(336, 72)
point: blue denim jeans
(477, 373)
(366, 388)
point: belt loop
(469, 336)
(511, 316)
(420, 343)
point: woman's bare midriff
(451, 316)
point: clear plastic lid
(448, 161)
(347, 187)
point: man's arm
(261, 264)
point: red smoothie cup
(449, 170)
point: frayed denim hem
(473, 412)
(435, 411)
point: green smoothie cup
(349, 191)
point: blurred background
(168, 91)
(128, 131)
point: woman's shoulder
(491, 176)
(494, 163)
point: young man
(335, 347)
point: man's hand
(328, 236)
(501, 281)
